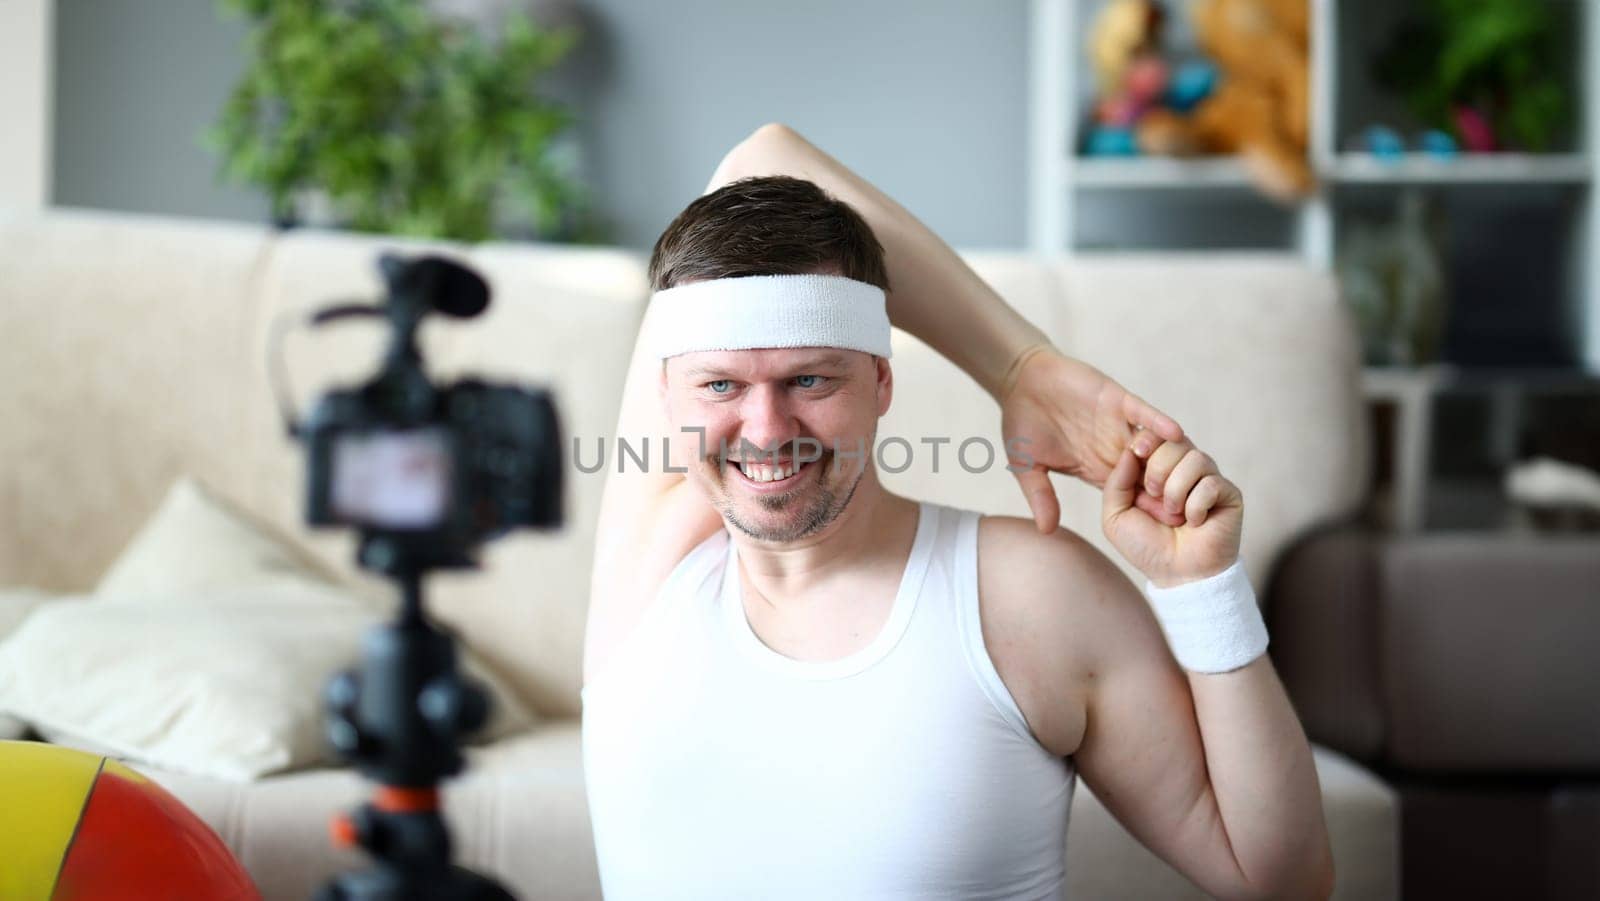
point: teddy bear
(1260, 109)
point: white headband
(769, 311)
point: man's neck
(874, 532)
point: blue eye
(808, 381)
(720, 386)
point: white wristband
(1212, 625)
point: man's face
(788, 432)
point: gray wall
(925, 98)
(136, 82)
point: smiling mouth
(769, 473)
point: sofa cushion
(1487, 644)
(1362, 814)
(229, 685)
(198, 542)
(1323, 619)
(125, 364)
(519, 813)
(205, 649)
(1253, 354)
(15, 605)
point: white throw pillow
(15, 604)
(204, 649)
(229, 686)
(196, 542)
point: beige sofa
(135, 349)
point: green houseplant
(406, 122)
(1498, 57)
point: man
(799, 685)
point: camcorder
(434, 471)
(425, 474)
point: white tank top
(719, 768)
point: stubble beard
(822, 508)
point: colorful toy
(1252, 101)
(80, 827)
(1132, 115)
(1383, 142)
(1438, 143)
(1119, 111)
(1106, 140)
(1191, 83)
(1125, 49)
(1386, 145)
(1123, 31)
(1145, 79)
(1476, 132)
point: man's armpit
(1039, 600)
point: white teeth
(762, 472)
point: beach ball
(76, 826)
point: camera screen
(392, 479)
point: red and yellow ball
(76, 826)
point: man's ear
(661, 386)
(885, 384)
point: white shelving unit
(1500, 168)
(1059, 177)
(1158, 172)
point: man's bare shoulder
(1057, 612)
(1027, 568)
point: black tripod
(397, 719)
(427, 473)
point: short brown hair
(766, 225)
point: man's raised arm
(932, 293)
(1071, 418)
